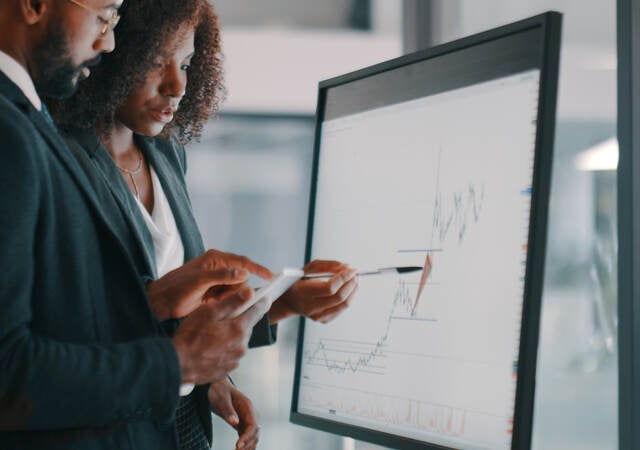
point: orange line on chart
(428, 264)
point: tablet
(274, 289)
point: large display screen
(438, 163)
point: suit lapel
(117, 202)
(59, 148)
(176, 193)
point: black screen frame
(547, 30)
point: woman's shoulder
(171, 149)
(164, 143)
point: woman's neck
(119, 141)
(129, 160)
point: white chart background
(447, 176)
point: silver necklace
(133, 172)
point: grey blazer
(83, 362)
(168, 159)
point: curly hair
(145, 29)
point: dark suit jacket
(169, 162)
(83, 362)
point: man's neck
(12, 41)
(19, 75)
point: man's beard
(55, 75)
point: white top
(162, 226)
(19, 75)
(166, 239)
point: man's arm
(46, 383)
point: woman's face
(152, 104)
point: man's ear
(34, 10)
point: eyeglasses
(108, 23)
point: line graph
(464, 206)
(453, 212)
(342, 356)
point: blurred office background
(249, 181)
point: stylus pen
(405, 269)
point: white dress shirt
(19, 75)
(162, 226)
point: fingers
(248, 439)
(223, 406)
(329, 308)
(255, 268)
(210, 342)
(219, 292)
(328, 314)
(229, 414)
(248, 429)
(328, 288)
(319, 265)
(215, 259)
(225, 276)
(231, 302)
(339, 280)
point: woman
(127, 126)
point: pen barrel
(400, 270)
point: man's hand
(212, 339)
(318, 299)
(184, 289)
(237, 410)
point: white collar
(19, 75)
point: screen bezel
(548, 25)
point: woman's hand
(237, 410)
(318, 299)
(182, 290)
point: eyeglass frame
(107, 24)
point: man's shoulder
(13, 120)
(24, 149)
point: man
(84, 362)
